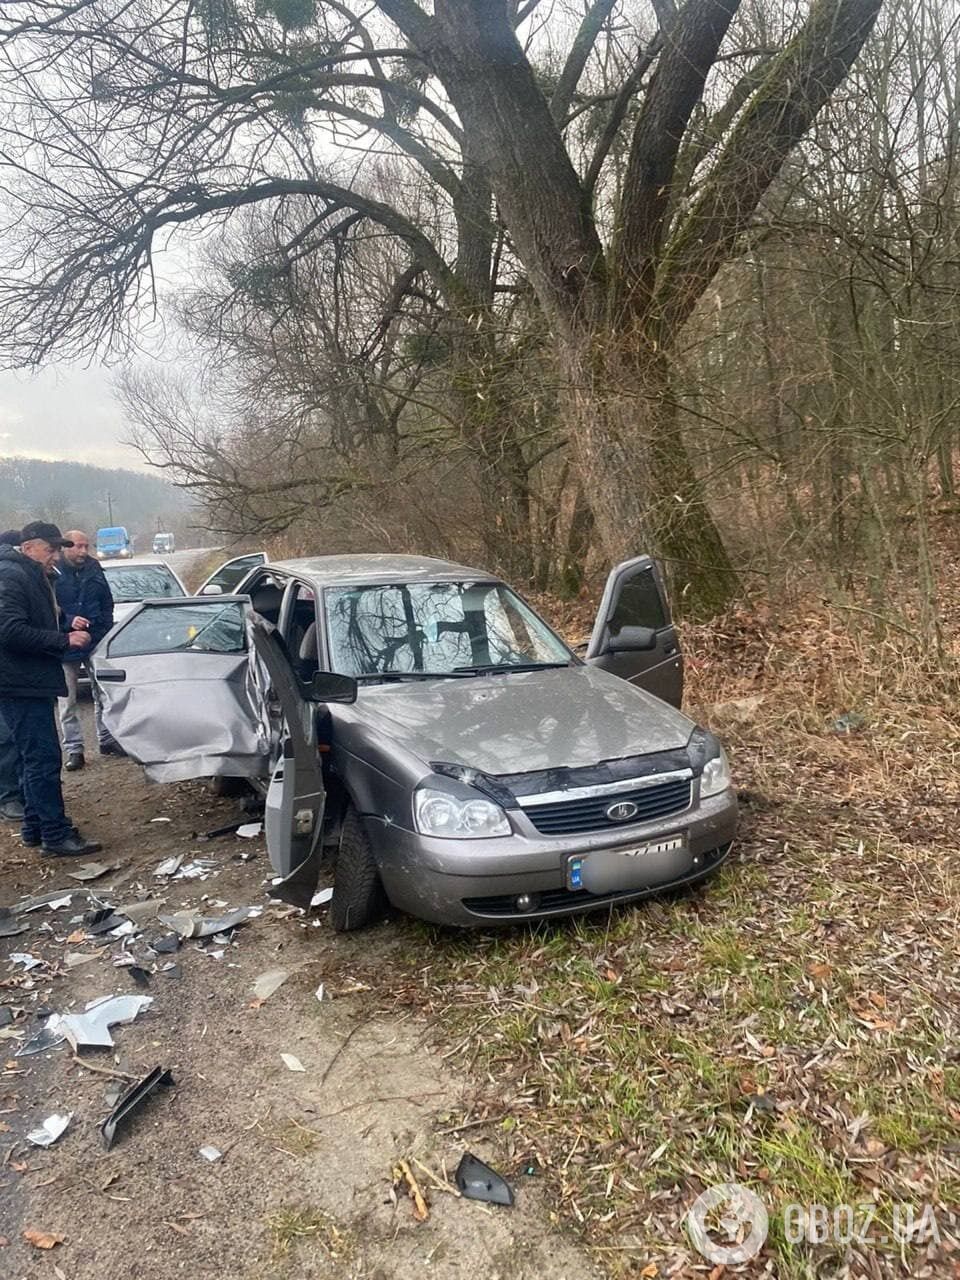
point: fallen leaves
(42, 1239)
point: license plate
(630, 856)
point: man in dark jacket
(86, 604)
(11, 797)
(31, 679)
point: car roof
(326, 571)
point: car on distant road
(140, 578)
(418, 723)
(164, 544)
(114, 543)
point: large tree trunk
(642, 487)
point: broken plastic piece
(133, 1098)
(292, 1063)
(49, 1130)
(169, 865)
(267, 983)
(49, 1036)
(140, 976)
(250, 830)
(213, 1154)
(52, 900)
(10, 927)
(23, 957)
(218, 831)
(105, 922)
(165, 944)
(89, 871)
(161, 819)
(205, 928)
(477, 1181)
(91, 1030)
(74, 958)
(320, 897)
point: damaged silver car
(417, 724)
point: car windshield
(130, 582)
(436, 628)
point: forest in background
(77, 496)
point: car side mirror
(330, 686)
(633, 640)
(211, 589)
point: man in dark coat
(11, 797)
(86, 604)
(31, 679)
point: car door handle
(671, 651)
(109, 673)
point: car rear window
(130, 582)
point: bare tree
(127, 121)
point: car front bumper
(477, 882)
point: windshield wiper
(414, 675)
(493, 668)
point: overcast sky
(65, 411)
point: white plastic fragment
(320, 897)
(92, 1028)
(89, 871)
(161, 819)
(23, 957)
(211, 1154)
(268, 982)
(319, 992)
(250, 830)
(49, 1130)
(292, 1063)
(169, 865)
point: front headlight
(440, 813)
(716, 775)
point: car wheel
(358, 896)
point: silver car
(418, 724)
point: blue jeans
(9, 766)
(33, 726)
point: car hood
(568, 717)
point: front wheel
(358, 896)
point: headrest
(266, 599)
(309, 651)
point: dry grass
(794, 1024)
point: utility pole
(109, 508)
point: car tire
(358, 896)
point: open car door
(181, 693)
(230, 574)
(634, 636)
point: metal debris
(55, 900)
(50, 1130)
(477, 1181)
(169, 865)
(91, 1029)
(159, 1078)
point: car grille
(569, 817)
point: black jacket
(31, 643)
(83, 593)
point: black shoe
(11, 811)
(74, 761)
(32, 842)
(111, 749)
(73, 846)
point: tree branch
(580, 51)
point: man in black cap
(31, 680)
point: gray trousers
(71, 729)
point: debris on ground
(213, 1154)
(403, 1178)
(321, 897)
(49, 1130)
(250, 830)
(140, 976)
(849, 722)
(74, 958)
(477, 1181)
(59, 898)
(228, 830)
(169, 865)
(10, 927)
(188, 924)
(159, 1078)
(105, 922)
(42, 1239)
(91, 1029)
(26, 959)
(90, 871)
(164, 943)
(50, 1036)
(198, 869)
(267, 983)
(292, 1063)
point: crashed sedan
(418, 725)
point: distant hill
(76, 496)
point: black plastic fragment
(165, 943)
(202, 837)
(106, 921)
(95, 917)
(131, 1100)
(6, 1016)
(477, 1181)
(140, 976)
